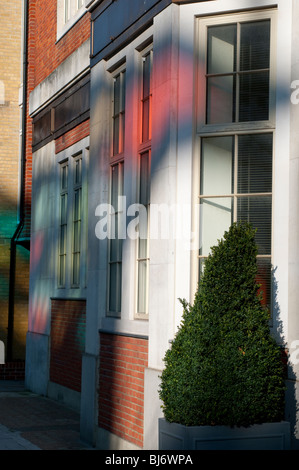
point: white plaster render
(61, 78)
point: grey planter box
(268, 436)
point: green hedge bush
(224, 367)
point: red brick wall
(121, 386)
(12, 371)
(67, 342)
(71, 137)
(49, 53)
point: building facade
(14, 196)
(155, 125)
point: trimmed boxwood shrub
(224, 367)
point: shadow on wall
(8, 222)
(292, 407)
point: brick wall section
(12, 371)
(121, 386)
(67, 342)
(10, 81)
(50, 53)
(73, 136)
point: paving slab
(33, 422)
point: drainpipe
(13, 242)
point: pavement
(33, 422)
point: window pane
(115, 288)
(77, 236)
(123, 91)
(222, 49)
(144, 179)
(61, 281)
(254, 97)
(146, 75)
(217, 166)
(258, 212)
(116, 135)
(145, 120)
(62, 249)
(77, 204)
(78, 171)
(142, 248)
(220, 99)
(114, 189)
(76, 269)
(64, 175)
(63, 209)
(216, 216)
(116, 95)
(115, 242)
(255, 163)
(255, 45)
(142, 286)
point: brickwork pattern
(121, 386)
(50, 53)
(67, 342)
(10, 81)
(12, 371)
(74, 135)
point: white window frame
(144, 147)
(65, 23)
(203, 24)
(69, 157)
(111, 230)
(129, 59)
(228, 129)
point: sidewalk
(33, 422)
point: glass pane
(76, 269)
(62, 248)
(255, 163)
(122, 133)
(64, 175)
(222, 48)
(77, 236)
(264, 278)
(123, 91)
(114, 242)
(61, 271)
(114, 189)
(217, 166)
(116, 148)
(115, 288)
(254, 97)
(220, 99)
(145, 120)
(78, 171)
(216, 216)
(142, 287)
(116, 95)
(255, 45)
(63, 208)
(258, 212)
(146, 75)
(144, 179)
(142, 248)
(77, 204)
